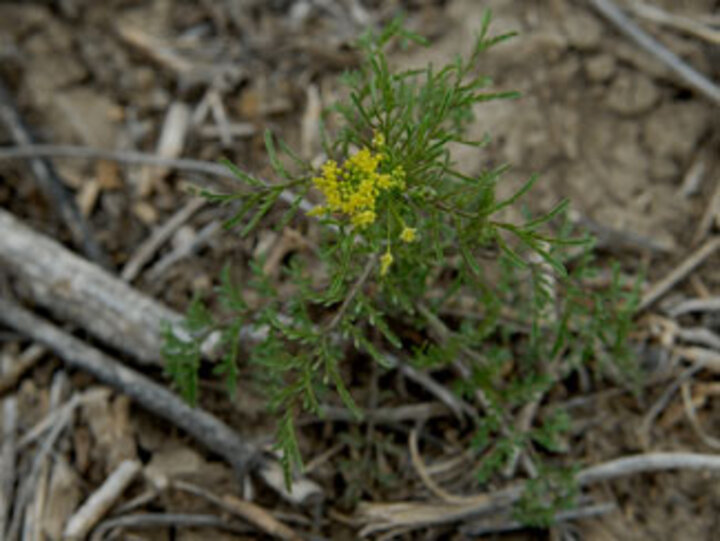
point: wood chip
(87, 197)
(170, 144)
(100, 502)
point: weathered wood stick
(204, 427)
(7, 459)
(75, 290)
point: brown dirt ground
(603, 123)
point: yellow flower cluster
(353, 189)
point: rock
(86, 113)
(109, 423)
(664, 169)
(632, 93)
(64, 495)
(688, 120)
(583, 30)
(600, 68)
(172, 460)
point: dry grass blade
(422, 471)
(691, 414)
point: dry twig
(184, 250)
(686, 24)
(24, 363)
(49, 182)
(424, 475)
(662, 402)
(456, 405)
(660, 288)
(691, 414)
(710, 304)
(166, 520)
(504, 525)
(147, 249)
(57, 415)
(410, 412)
(100, 502)
(27, 489)
(137, 158)
(379, 517)
(250, 512)
(687, 74)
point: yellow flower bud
(378, 140)
(385, 261)
(317, 211)
(408, 234)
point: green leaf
(268, 203)
(242, 175)
(517, 195)
(287, 444)
(230, 296)
(272, 154)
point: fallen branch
(204, 427)
(75, 290)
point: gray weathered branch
(75, 290)
(205, 428)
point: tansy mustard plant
(355, 188)
(403, 237)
